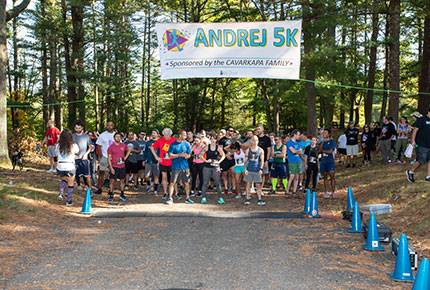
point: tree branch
(12, 13)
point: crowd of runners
(184, 165)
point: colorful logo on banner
(174, 40)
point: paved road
(208, 253)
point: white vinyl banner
(230, 50)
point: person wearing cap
(351, 144)
(421, 140)
(152, 171)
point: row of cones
(403, 269)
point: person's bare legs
(164, 182)
(332, 181)
(187, 189)
(290, 181)
(259, 190)
(101, 179)
(247, 188)
(52, 163)
(325, 175)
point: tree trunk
(267, 101)
(59, 108)
(424, 81)
(96, 78)
(387, 64)
(368, 101)
(71, 80)
(394, 68)
(4, 17)
(309, 71)
(44, 61)
(52, 74)
(275, 107)
(148, 80)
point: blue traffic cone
(422, 280)
(372, 243)
(86, 206)
(403, 269)
(307, 202)
(314, 207)
(356, 226)
(350, 203)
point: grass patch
(9, 201)
(27, 193)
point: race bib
(120, 160)
(312, 159)
(49, 137)
(166, 156)
(253, 157)
(240, 161)
(325, 155)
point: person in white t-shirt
(67, 151)
(103, 142)
(341, 148)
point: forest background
(97, 60)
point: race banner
(230, 50)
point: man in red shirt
(51, 139)
(117, 154)
(163, 144)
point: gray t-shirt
(133, 145)
(83, 141)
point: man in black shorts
(82, 165)
(131, 167)
(227, 166)
(421, 140)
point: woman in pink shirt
(197, 166)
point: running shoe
(126, 187)
(199, 194)
(252, 190)
(136, 188)
(261, 202)
(272, 192)
(69, 203)
(204, 200)
(247, 202)
(300, 187)
(189, 201)
(348, 165)
(123, 198)
(234, 191)
(178, 197)
(164, 197)
(237, 196)
(244, 193)
(427, 178)
(192, 194)
(221, 200)
(226, 192)
(169, 201)
(155, 193)
(229, 189)
(402, 161)
(333, 195)
(392, 162)
(110, 198)
(148, 188)
(410, 176)
(97, 190)
(60, 197)
(326, 195)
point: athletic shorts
(67, 173)
(279, 170)
(295, 167)
(423, 154)
(82, 167)
(239, 169)
(119, 173)
(151, 169)
(131, 167)
(303, 166)
(342, 151)
(103, 164)
(140, 165)
(266, 170)
(326, 165)
(180, 174)
(164, 168)
(253, 176)
(51, 151)
(227, 164)
(352, 150)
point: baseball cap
(351, 122)
(416, 114)
(156, 130)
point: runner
(326, 148)
(341, 148)
(294, 161)
(402, 139)
(141, 158)
(103, 142)
(165, 164)
(66, 150)
(92, 157)
(304, 142)
(117, 154)
(265, 144)
(227, 166)
(152, 171)
(311, 163)
(279, 170)
(179, 152)
(351, 145)
(254, 170)
(84, 144)
(197, 164)
(51, 139)
(366, 145)
(421, 140)
(387, 134)
(131, 167)
(214, 156)
(239, 168)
